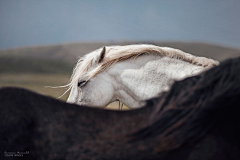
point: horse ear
(102, 54)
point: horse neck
(145, 77)
(76, 127)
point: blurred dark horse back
(197, 119)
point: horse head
(91, 90)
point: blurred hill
(69, 53)
(39, 66)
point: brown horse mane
(194, 105)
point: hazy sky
(39, 22)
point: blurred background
(40, 41)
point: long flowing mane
(116, 54)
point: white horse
(130, 74)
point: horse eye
(81, 83)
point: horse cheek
(104, 94)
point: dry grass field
(36, 67)
(39, 83)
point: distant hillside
(14, 64)
(216, 52)
(61, 58)
(63, 52)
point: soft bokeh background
(40, 41)
(27, 22)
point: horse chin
(70, 101)
(87, 104)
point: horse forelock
(116, 54)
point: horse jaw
(129, 100)
(121, 91)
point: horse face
(97, 92)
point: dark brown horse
(197, 119)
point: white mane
(87, 66)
